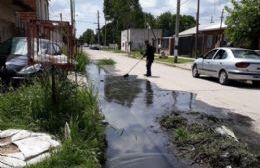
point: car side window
(210, 54)
(221, 54)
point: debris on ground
(207, 141)
(20, 148)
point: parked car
(15, 64)
(229, 64)
(94, 47)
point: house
(209, 37)
(133, 39)
(8, 19)
(14, 14)
(167, 45)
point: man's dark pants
(148, 67)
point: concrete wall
(136, 38)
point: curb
(174, 65)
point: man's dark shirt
(149, 53)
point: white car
(229, 64)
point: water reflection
(132, 106)
(120, 90)
(148, 93)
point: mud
(196, 136)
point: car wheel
(223, 78)
(256, 83)
(195, 72)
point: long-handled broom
(127, 75)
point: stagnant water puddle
(132, 107)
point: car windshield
(19, 46)
(247, 54)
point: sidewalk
(185, 66)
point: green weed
(102, 62)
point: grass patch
(113, 50)
(199, 142)
(103, 62)
(82, 60)
(38, 108)
(170, 60)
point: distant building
(133, 39)
(209, 37)
(15, 13)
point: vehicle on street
(229, 64)
(94, 47)
(14, 58)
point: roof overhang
(21, 5)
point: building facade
(209, 37)
(14, 14)
(133, 39)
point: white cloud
(148, 3)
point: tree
(243, 23)
(150, 19)
(167, 21)
(87, 37)
(123, 15)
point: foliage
(167, 22)
(37, 108)
(150, 19)
(82, 60)
(243, 23)
(122, 15)
(105, 62)
(87, 37)
(170, 60)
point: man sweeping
(149, 54)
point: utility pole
(177, 27)
(211, 20)
(61, 17)
(72, 13)
(222, 18)
(98, 28)
(105, 43)
(197, 29)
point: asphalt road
(243, 99)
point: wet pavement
(132, 107)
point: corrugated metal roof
(208, 27)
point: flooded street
(132, 108)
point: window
(165, 43)
(250, 54)
(221, 54)
(209, 41)
(210, 54)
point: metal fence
(50, 43)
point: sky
(86, 10)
